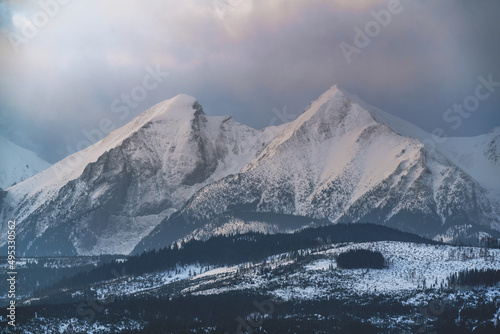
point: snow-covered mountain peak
(183, 99)
(334, 113)
(331, 123)
(334, 93)
(179, 107)
(343, 162)
(478, 156)
(339, 160)
(171, 116)
(333, 90)
(107, 197)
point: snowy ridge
(47, 183)
(397, 124)
(337, 162)
(109, 196)
(478, 156)
(17, 163)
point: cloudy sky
(64, 64)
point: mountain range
(174, 173)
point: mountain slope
(288, 275)
(18, 164)
(477, 156)
(105, 198)
(175, 173)
(336, 162)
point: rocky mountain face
(337, 162)
(106, 198)
(174, 173)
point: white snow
(471, 154)
(330, 158)
(17, 164)
(46, 184)
(163, 147)
(478, 156)
(409, 266)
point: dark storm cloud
(249, 59)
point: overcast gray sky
(63, 64)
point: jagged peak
(332, 114)
(181, 108)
